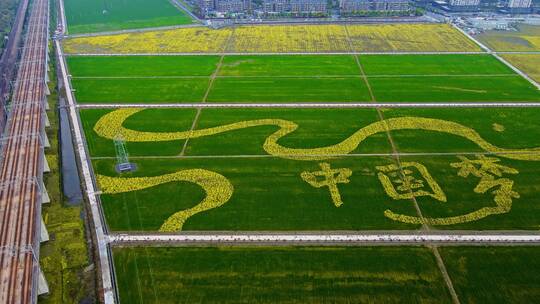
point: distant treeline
(7, 13)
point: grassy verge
(64, 258)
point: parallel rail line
(21, 167)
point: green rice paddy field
(326, 275)
(279, 275)
(284, 79)
(464, 169)
(89, 16)
(269, 193)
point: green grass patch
(494, 274)
(99, 16)
(279, 275)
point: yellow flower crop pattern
(281, 39)
(409, 37)
(218, 191)
(111, 125)
(503, 195)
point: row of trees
(7, 13)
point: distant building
(276, 6)
(519, 3)
(350, 6)
(207, 7)
(294, 6)
(392, 5)
(308, 6)
(233, 6)
(489, 24)
(464, 5)
(520, 6)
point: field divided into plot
(270, 193)
(282, 39)
(282, 79)
(330, 170)
(279, 275)
(98, 16)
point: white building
(519, 3)
(350, 6)
(464, 2)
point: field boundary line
(299, 76)
(442, 238)
(139, 289)
(206, 93)
(518, 71)
(440, 262)
(445, 275)
(395, 151)
(62, 15)
(441, 154)
(193, 125)
(349, 41)
(181, 6)
(276, 53)
(313, 105)
(212, 79)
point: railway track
(9, 57)
(21, 166)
